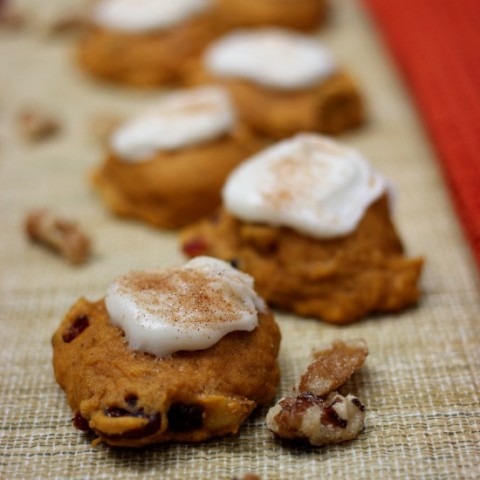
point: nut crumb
(10, 18)
(61, 235)
(248, 476)
(319, 414)
(35, 125)
(68, 23)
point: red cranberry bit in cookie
(80, 423)
(195, 247)
(76, 328)
(183, 417)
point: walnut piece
(35, 125)
(62, 236)
(68, 23)
(333, 366)
(320, 421)
(319, 414)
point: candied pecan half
(333, 366)
(320, 421)
(63, 236)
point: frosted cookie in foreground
(167, 165)
(143, 43)
(297, 14)
(176, 355)
(309, 219)
(282, 82)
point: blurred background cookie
(144, 43)
(310, 220)
(167, 165)
(297, 14)
(282, 82)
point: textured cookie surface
(338, 280)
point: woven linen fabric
(437, 45)
(420, 383)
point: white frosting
(178, 120)
(271, 57)
(145, 15)
(185, 308)
(308, 183)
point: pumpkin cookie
(145, 43)
(167, 165)
(183, 354)
(310, 220)
(281, 82)
(298, 14)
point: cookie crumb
(36, 125)
(61, 235)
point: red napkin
(437, 46)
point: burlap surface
(420, 383)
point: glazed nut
(320, 421)
(333, 366)
(319, 414)
(61, 235)
(35, 125)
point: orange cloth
(437, 46)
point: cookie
(310, 220)
(145, 44)
(176, 355)
(299, 14)
(166, 166)
(282, 82)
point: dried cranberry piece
(183, 417)
(76, 328)
(194, 247)
(80, 423)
